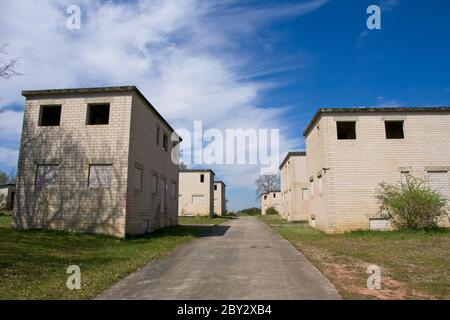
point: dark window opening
(346, 130)
(98, 114)
(165, 143)
(215, 188)
(265, 197)
(274, 195)
(50, 116)
(157, 135)
(202, 178)
(394, 130)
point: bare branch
(8, 67)
(266, 184)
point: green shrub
(250, 212)
(271, 211)
(411, 204)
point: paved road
(242, 259)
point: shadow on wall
(64, 200)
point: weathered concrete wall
(219, 198)
(294, 188)
(272, 199)
(150, 208)
(196, 198)
(344, 197)
(68, 203)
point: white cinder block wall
(271, 199)
(345, 174)
(294, 187)
(219, 198)
(68, 203)
(196, 198)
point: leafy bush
(3, 203)
(271, 211)
(250, 212)
(411, 204)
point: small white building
(271, 199)
(196, 193)
(219, 198)
(7, 195)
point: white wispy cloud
(185, 55)
(388, 5)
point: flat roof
(7, 185)
(292, 154)
(220, 182)
(321, 111)
(128, 88)
(267, 193)
(198, 171)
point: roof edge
(321, 111)
(292, 154)
(197, 170)
(126, 88)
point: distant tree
(249, 212)
(7, 178)
(182, 166)
(12, 176)
(3, 178)
(266, 184)
(8, 66)
(226, 205)
(271, 211)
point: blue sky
(232, 64)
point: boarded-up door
(438, 181)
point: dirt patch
(351, 278)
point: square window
(394, 129)
(265, 197)
(50, 116)
(98, 114)
(202, 178)
(46, 175)
(138, 179)
(346, 130)
(100, 176)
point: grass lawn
(202, 220)
(33, 264)
(414, 265)
(275, 219)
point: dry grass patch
(414, 264)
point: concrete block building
(96, 160)
(350, 151)
(196, 193)
(219, 198)
(7, 195)
(294, 187)
(271, 199)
